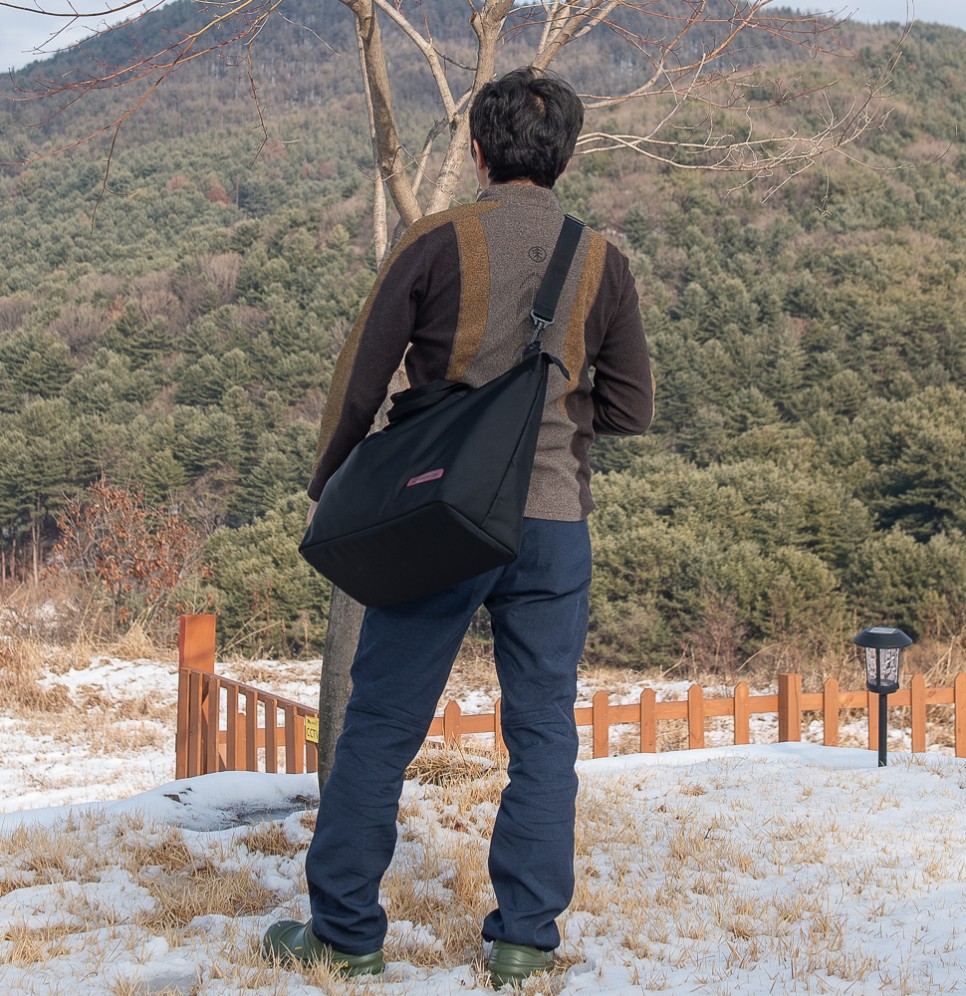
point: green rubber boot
(510, 964)
(293, 944)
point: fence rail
(225, 725)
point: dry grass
(272, 838)
(141, 852)
(938, 661)
(126, 987)
(22, 661)
(57, 858)
(185, 885)
(11, 883)
(442, 885)
(648, 890)
(32, 946)
(705, 896)
(44, 856)
(203, 890)
(82, 718)
(85, 716)
(474, 670)
(437, 764)
(442, 871)
(136, 644)
(271, 674)
(180, 884)
(690, 887)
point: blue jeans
(538, 611)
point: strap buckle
(539, 323)
(535, 342)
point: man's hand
(311, 513)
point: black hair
(527, 123)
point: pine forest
(173, 301)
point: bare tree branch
(705, 117)
(74, 14)
(380, 233)
(568, 21)
(392, 157)
(487, 24)
(428, 51)
(422, 162)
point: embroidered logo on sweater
(537, 253)
(430, 475)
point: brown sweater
(457, 291)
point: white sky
(24, 34)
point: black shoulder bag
(438, 495)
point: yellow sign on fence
(312, 729)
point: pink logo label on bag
(430, 475)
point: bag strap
(545, 304)
(414, 400)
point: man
(457, 293)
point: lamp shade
(882, 646)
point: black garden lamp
(883, 645)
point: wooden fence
(225, 725)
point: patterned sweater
(454, 298)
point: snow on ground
(115, 735)
(766, 869)
(771, 868)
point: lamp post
(882, 645)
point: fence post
(695, 717)
(789, 708)
(648, 721)
(917, 702)
(452, 725)
(601, 704)
(189, 751)
(271, 735)
(214, 753)
(232, 737)
(251, 729)
(742, 714)
(294, 742)
(830, 712)
(959, 705)
(872, 705)
(196, 650)
(298, 727)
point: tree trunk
(342, 638)
(345, 621)
(35, 543)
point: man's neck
(484, 181)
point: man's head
(526, 124)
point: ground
(788, 868)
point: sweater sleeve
(372, 352)
(623, 392)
